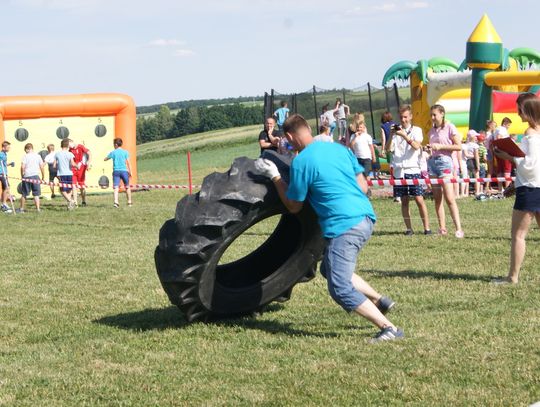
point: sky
(161, 51)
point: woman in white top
(362, 146)
(527, 204)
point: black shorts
(527, 199)
(33, 187)
(366, 163)
(3, 181)
(52, 175)
(409, 190)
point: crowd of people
(333, 179)
(67, 167)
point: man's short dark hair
(405, 108)
(294, 123)
(283, 103)
(65, 143)
(118, 142)
(28, 146)
(6, 143)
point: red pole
(189, 172)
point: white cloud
(161, 42)
(183, 52)
(389, 7)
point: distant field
(84, 320)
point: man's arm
(128, 165)
(281, 187)
(362, 182)
(42, 168)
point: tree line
(186, 104)
(165, 125)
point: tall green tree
(184, 123)
(164, 122)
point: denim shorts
(120, 175)
(339, 263)
(440, 166)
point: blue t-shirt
(325, 174)
(119, 157)
(281, 115)
(3, 162)
(63, 163)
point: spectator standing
(483, 163)
(406, 147)
(328, 118)
(121, 170)
(330, 178)
(64, 162)
(31, 167)
(504, 166)
(53, 173)
(444, 139)
(281, 114)
(269, 137)
(324, 135)
(6, 193)
(82, 157)
(362, 146)
(386, 127)
(471, 154)
(527, 203)
(342, 113)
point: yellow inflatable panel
(44, 131)
(457, 94)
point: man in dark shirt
(269, 137)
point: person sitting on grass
(329, 177)
(121, 170)
(64, 161)
(31, 166)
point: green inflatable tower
(484, 55)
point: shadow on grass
(415, 274)
(170, 317)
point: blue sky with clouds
(165, 50)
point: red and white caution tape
(373, 182)
(71, 185)
(434, 181)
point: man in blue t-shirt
(121, 170)
(329, 177)
(281, 114)
(6, 145)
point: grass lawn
(84, 320)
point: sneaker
(5, 207)
(116, 205)
(19, 210)
(409, 232)
(9, 210)
(53, 196)
(388, 334)
(460, 234)
(428, 232)
(397, 199)
(83, 203)
(385, 304)
(501, 281)
(443, 232)
(71, 205)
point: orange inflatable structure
(90, 119)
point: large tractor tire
(191, 245)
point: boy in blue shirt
(121, 170)
(6, 145)
(329, 177)
(281, 114)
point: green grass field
(84, 320)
